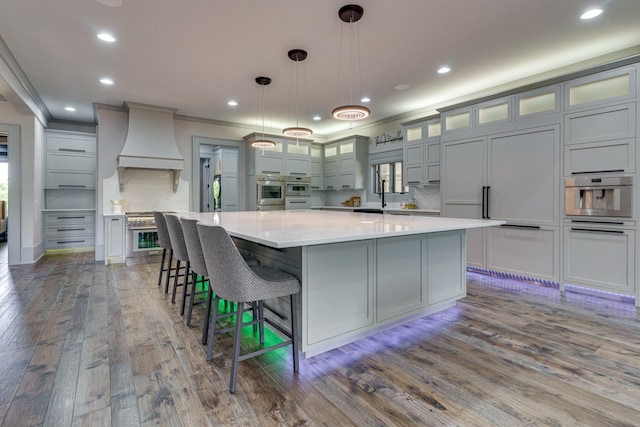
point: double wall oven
(278, 192)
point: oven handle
(603, 171)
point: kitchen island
(360, 273)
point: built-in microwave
(599, 196)
(298, 186)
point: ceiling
(196, 55)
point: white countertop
(291, 228)
(386, 209)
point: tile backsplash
(146, 190)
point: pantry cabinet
(69, 191)
(514, 177)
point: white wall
(30, 166)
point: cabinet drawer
(300, 167)
(68, 243)
(69, 218)
(270, 165)
(64, 231)
(71, 143)
(526, 251)
(600, 258)
(69, 162)
(58, 179)
(414, 174)
(613, 156)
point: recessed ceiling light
(590, 14)
(365, 99)
(232, 103)
(106, 37)
(316, 118)
(106, 81)
(443, 70)
(402, 86)
(69, 108)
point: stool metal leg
(207, 316)
(212, 327)
(236, 349)
(294, 332)
(162, 267)
(169, 268)
(185, 285)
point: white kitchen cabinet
(344, 163)
(70, 161)
(115, 227)
(600, 124)
(67, 229)
(445, 275)
(421, 152)
(352, 295)
(514, 177)
(600, 88)
(317, 167)
(457, 120)
(537, 102)
(494, 111)
(298, 158)
(529, 251)
(617, 156)
(600, 257)
(400, 288)
(270, 160)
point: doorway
(10, 150)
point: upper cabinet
(536, 102)
(288, 157)
(606, 87)
(345, 162)
(317, 167)
(421, 152)
(70, 161)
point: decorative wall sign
(385, 138)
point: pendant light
(297, 55)
(351, 14)
(262, 143)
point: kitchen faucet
(381, 194)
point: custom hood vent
(150, 142)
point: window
(391, 173)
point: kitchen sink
(368, 210)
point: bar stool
(199, 268)
(182, 256)
(235, 281)
(165, 244)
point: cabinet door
(298, 166)
(524, 177)
(399, 288)
(414, 164)
(59, 179)
(71, 143)
(115, 237)
(270, 164)
(433, 173)
(464, 172)
(445, 266)
(432, 152)
(600, 157)
(351, 295)
(347, 181)
(331, 166)
(62, 161)
(331, 182)
(600, 258)
(526, 251)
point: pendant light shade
(262, 142)
(351, 14)
(297, 55)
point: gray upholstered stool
(182, 256)
(232, 279)
(165, 244)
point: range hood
(150, 142)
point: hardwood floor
(85, 344)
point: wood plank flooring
(83, 344)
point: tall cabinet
(69, 191)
